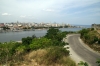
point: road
(82, 50)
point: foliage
(40, 43)
(4, 28)
(33, 36)
(26, 41)
(20, 49)
(14, 52)
(44, 43)
(55, 53)
(90, 36)
(98, 61)
(52, 38)
(7, 50)
(44, 58)
(92, 29)
(99, 41)
(52, 33)
(55, 34)
(83, 32)
(58, 43)
(81, 63)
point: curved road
(82, 50)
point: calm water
(17, 36)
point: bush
(40, 43)
(54, 54)
(7, 50)
(99, 41)
(41, 57)
(98, 62)
(26, 41)
(58, 43)
(92, 29)
(52, 33)
(81, 63)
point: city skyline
(83, 12)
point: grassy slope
(38, 58)
(95, 46)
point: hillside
(45, 51)
(91, 37)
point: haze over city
(83, 12)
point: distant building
(2, 25)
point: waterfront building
(2, 25)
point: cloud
(50, 10)
(91, 11)
(6, 14)
(27, 17)
(22, 16)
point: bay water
(17, 36)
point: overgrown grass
(91, 38)
(53, 56)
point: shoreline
(6, 31)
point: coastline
(17, 36)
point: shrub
(40, 43)
(92, 29)
(98, 61)
(54, 54)
(81, 63)
(58, 43)
(7, 50)
(26, 41)
(99, 41)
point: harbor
(17, 36)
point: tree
(33, 36)
(40, 43)
(95, 39)
(52, 33)
(27, 41)
(83, 32)
(20, 49)
(4, 28)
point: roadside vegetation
(98, 62)
(81, 63)
(91, 37)
(33, 51)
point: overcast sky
(84, 12)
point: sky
(83, 12)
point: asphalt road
(82, 50)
